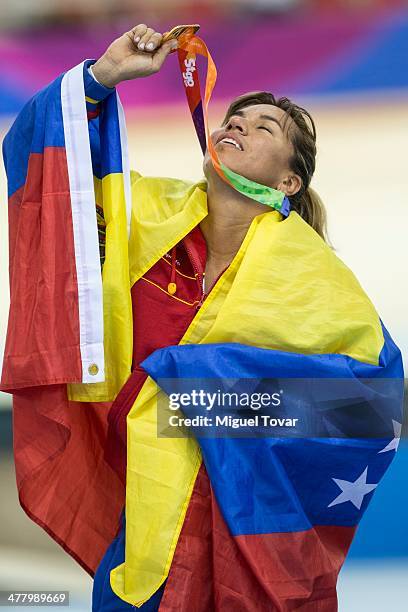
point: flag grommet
(93, 369)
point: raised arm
(56, 249)
(136, 54)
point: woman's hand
(137, 53)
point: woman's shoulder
(320, 257)
(156, 199)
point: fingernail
(150, 46)
(141, 46)
(137, 38)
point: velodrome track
(362, 177)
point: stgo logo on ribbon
(190, 65)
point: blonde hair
(311, 208)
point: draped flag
(278, 525)
(69, 339)
(279, 532)
(222, 522)
(62, 312)
(288, 504)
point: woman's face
(263, 150)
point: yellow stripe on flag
(117, 303)
(91, 100)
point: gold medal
(181, 32)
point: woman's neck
(229, 216)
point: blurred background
(347, 62)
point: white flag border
(86, 243)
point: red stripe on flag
(213, 570)
(93, 114)
(42, 345)
(63, 481)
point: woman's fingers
(154, 42)
(122, 62)
(138, 31)
(141, 45)
(145, 38)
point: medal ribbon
(188, 49)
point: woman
(272, 142)
(287, 139)
(224, 287)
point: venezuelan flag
(63, 310)
(234, 520)
(284, 508)
(267, 520)
(69, 337)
